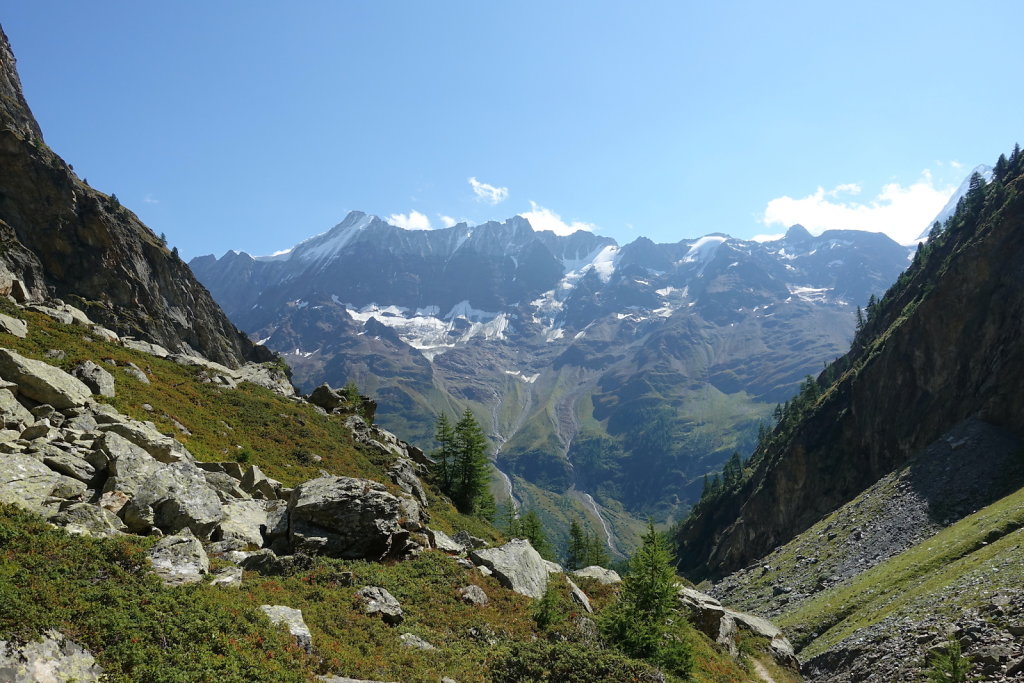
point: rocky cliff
(942, 346)
(59, 238)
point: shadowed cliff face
(945, 347)
(63, 239)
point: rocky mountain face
(62, 239)
(880, 520)
(623, 372)
(935, 352)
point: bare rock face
(62, 238)
(517, 566)
(346, 517)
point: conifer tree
(444, 434)
(639, 621)
(471, 475)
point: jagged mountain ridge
(61, 238)
(562, 345)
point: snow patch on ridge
(425, 331)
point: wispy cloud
(546, 219)
(150, 199)
(899, 211)
(447, 221)
(414, 220)
(488, 193)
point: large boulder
(50, 660)
(517, 566)
(146, 436)
(128, 465)
(42, 382)
(290, 618)
(179, 559)
(88, 520)
(345, 517)
(173, 498)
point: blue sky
(252, 125)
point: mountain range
(617, 373)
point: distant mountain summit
(63, 239)
(624, 371)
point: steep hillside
(881, 517)
(610, 380)
(61, 238)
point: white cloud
(546, 219)
(447, 221)
(414, 220)
(488, 193)
(900, 212)
(768, 238)
(956, 164)
(150, 199)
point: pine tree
(639, 621)
(471, 476)
(530, 527)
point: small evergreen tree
(639, 621)
(950, 666)
(531, 529)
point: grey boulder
(174, 497)
(13, 326)
(43, 382)
(599, 574)
(345, 517)
(517, 566)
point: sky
(252, 125)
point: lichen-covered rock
(174, 497)
(345, 517)
(88, 519)
(244, 521)
(26, 482)
(179, 559)
(54, 659)
(473, 595)
(146, 436)
(42, 382)
(292, 619)
(517, 566)
(377, 601)
(444, 542)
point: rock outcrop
(61, 238)
(52, 660)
